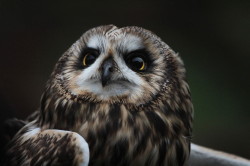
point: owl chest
(130, 141)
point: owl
(116, 97)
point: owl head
(117, 65)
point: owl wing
(34, 146)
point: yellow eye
(89, 55)
(138, 60)
(138, 63)
(88, 59)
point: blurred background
(212, 37)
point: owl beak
(107, 70)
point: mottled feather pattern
(37, 147)
(149, 126)
(117, 125)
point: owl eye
(136, 61)
(89, 57)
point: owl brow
(99, 43)
(89, 49)
(144, 52)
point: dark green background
(212, 37)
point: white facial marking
(131, 43)
(94, 41)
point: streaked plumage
(125, 92)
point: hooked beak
(107, 70)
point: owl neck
(56, 111)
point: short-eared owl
(116, 97)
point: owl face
(108, 64)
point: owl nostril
(111, 69)
(107, 69)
